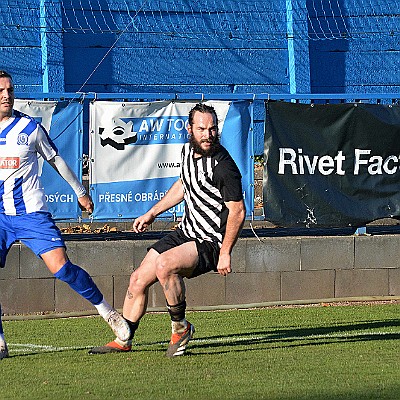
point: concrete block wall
(265, 270)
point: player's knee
(163, 268)
(137, 283)
(68, 273)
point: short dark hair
(5, 74)
(203, 108)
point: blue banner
(66, 131)
(64, 122)
(237, 138)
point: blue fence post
(52, 47)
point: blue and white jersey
(21, 140)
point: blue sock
(79, 280)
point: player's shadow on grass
(297, 337)
(259, 339)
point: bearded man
(214, 213)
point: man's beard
(214, 148)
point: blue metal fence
(258, 99)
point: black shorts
(208, 251)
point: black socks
(177, 312)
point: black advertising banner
(331, 165)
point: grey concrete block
(304, 285)
(238, 260)
(140, 251)
(121, 283)
(325, 264)
(273, 254)
(377, 251)
(394, 282)
(327, 252)
(253, 287)
(157, 297)
(11, 269)
(19, 296)
(102, 257)
(67, 300)
(205, 290)
(362, 282)
(32, 266)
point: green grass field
(341, 352)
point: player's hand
(224, 264)
(140, 224)
(86, 203)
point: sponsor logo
(143, 131)
(296, 162)
(120, 136)
(9, 162)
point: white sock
(122, 343)
(179, 326)
(104, 308)
(2, 340)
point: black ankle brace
(177, 312)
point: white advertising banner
(135, 153)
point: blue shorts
(35, 230)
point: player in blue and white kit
(23, 211)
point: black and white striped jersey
(208, 183)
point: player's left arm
(46, 148)
(234, 225)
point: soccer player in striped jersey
(214, 213)
(23, 211)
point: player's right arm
(173, 197)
